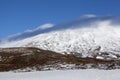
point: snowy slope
(86, 40)
(63, 75)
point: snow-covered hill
(87, 37)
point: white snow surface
(77, 40)
(88, 74)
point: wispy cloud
(45, 26)
(29, 33)
(42, 27)
(88, 16)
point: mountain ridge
(78, 39)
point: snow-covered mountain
(88, 36)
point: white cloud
(45, 26)
(88, 16)
(42, 27)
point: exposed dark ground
(21, 58)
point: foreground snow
(90, 74)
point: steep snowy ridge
(100, 37)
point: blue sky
(19, 15)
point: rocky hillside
(29, 58)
